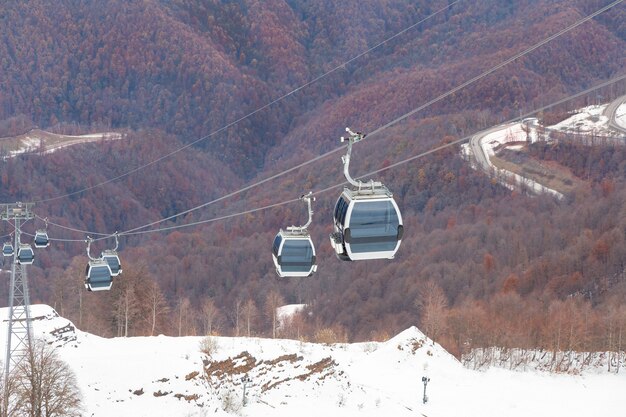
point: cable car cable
(86, 232)
(271, 103)
(395, 164)
(387, 125)
(423, 154)
(497, 67)
(55, 239)
(398, 119)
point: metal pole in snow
(425, 381)
(245, 380)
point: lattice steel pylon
(19, 334)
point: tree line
(475, 259)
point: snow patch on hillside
(52, 142)
(588, 120)
(287, 312)
(570, 362)
(47, 324)
(169, 376)
(620, 116)
(508, 134)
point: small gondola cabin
(98, 276)
(41, 239)
(25, 254)
(111, 258)
(7, 249)
(294, 254)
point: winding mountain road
(35, 138)
(611, 113)
(481, 146)
(482, 159)
(481, 149)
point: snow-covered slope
(620, 116)
(167, 376)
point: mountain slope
(163, 376)
(187, 68)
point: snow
(26, 145)
(570, 362)
(104, 135)
(33, 140)
(285, 313)
(620, 116)
(289, 310)
(306, 379)
(507, 134)
(588, 120)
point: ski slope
(164, 376)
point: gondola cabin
(41, 239)
(7, 249)
(367, 225)
(25, 254)
(98, 276)
(294, 254)
(111, 258)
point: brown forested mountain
(190, 67)
(173, 71)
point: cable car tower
(19, 335)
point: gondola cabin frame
(365, 240)
(25, 254)
(7, 249)
(112, 258)
(98, 276)
(286, 267)
(41, 239)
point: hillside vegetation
(175, 71)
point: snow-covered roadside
(588, 120)
(620, 116)
(32, 140)
(496, 138)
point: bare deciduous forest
(479, 265)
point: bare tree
(134, 295)
(157, 305)
(69, 289)
(60, 289)
(237, 315)
(9, 401)
(249, 313)
(272, 302)
(184, 311)
(432, 303)
(127, 309)
(45, 385)
(210, 313)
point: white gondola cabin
(25, 254)
(367, 222)
(293, 251)
(366, 225)
(111, 258)
(7, 249)
(41, 239)
(98, 276)
(293, 254)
